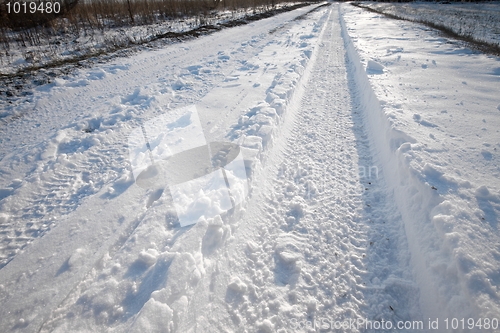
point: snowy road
(328, 232)
(321, 241)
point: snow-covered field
(439, 107)
(73, 46)
(480, 21)
(325, 169)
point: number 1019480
(47, 7)
(470, 323)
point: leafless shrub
(42, 38)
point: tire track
(323, 241)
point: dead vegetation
(41, 36)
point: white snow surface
(70, 45)
(436, 103)
(369, 150)
(480, 20)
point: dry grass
(26, 29)
(91, 28)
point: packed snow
(325, 169)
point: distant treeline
(26, 21)
(97, 13)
